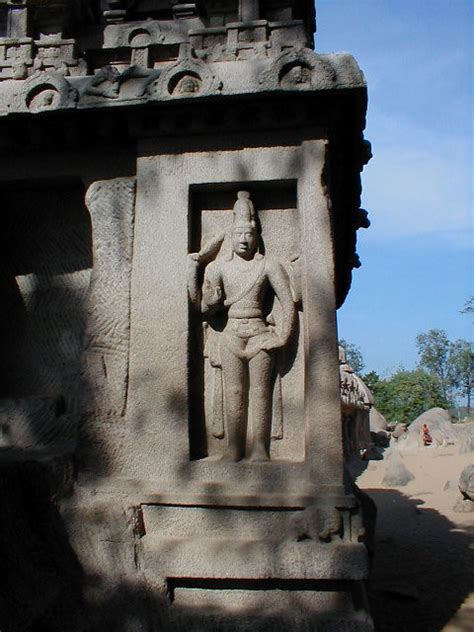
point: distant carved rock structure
(180, 197)
(357, 405)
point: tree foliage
(462, 369)
(353, 355)
(402, 397)
(451, 362)
(434, 351)
(445, 371)
(371, 379)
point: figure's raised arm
(212, 289)
(194, 291)
(195, 262)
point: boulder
(397, 474)
(440, 426)
(466, 439)
(463, 505)
(378, 429)
(377, 421)
(410, 443)
(399, 431)
(381, 439)
(466, 482)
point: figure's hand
(263, 342)
(272, 342)
(212, 293)
(193, 258)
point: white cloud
(418, 182)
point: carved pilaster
(111, 204)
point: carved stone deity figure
(239, 282)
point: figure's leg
(235, 403)
(260, 377)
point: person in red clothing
(427, 438)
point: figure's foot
(259, 454)
(230, 456)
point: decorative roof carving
(303, 69)
(186, 78)
(44, 91)
(149, 50)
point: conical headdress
(244, 211)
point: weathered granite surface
(181, 196)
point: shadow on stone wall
(46, 260)
(72, 564)
(46, 257)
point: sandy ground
(423, 567)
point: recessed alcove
(47, 259)
(210, 214)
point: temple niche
(251, 331)
(180, 198)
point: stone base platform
(237, 569)
(269, 606)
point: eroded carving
(238, 283)
(354, 393)
(299, 69)
(104, 83)
(36, 427)
(188, 77)
(45, 91)
(111, 204)
(187, 85)
(317, 522)
(20, 57)
(296, 76)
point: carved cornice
(189, 77)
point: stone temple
(180, 195)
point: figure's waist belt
(246, 327)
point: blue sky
(416, 257)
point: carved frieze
(299, 69)
(42, 92)
(16, 58)
(192, 73)
(21, 57)
(187, 78)
(134, 34)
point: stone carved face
(188, 85)
(299, 74)
(244, 240)
(296, 76)
(44, 99)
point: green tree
(462, 369)
(406, 394)
(353, 355)
(434, 355)
(451, 362)
(371, 379)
